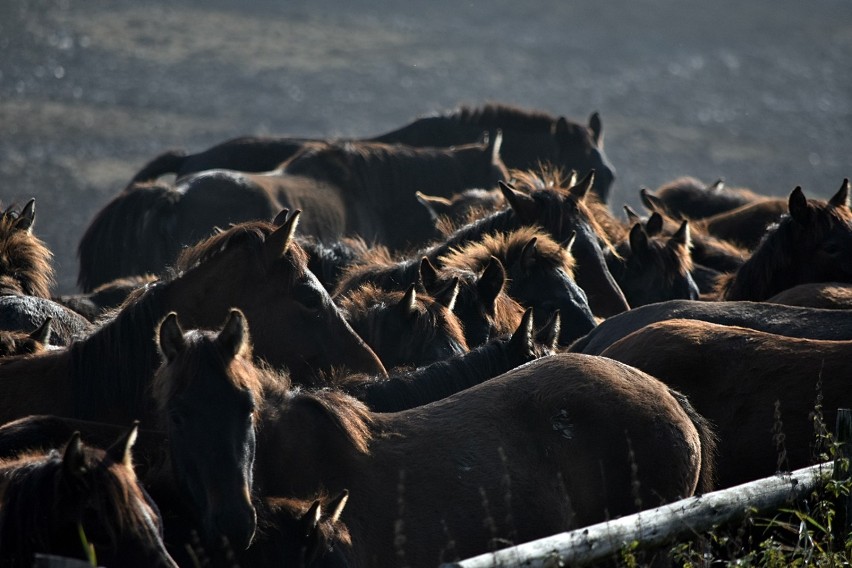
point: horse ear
(234, 337)
(276, 243)
(27, 217)
(408, 304)
(42, 334)
(581, 189)
(717, 185)
(568, 243)
(73, 459)
(121, 451)
(281, 217)
(310, 520)
(651, 201)
(170, 337)
(560, 128)
(336, 506)
(654, 226)
(522, 204)
(447, 295)
(638, 240)
(682, 236)
(428, 275)
(596, 127)
(798, 205)
(521, 341)
(841, 198)
(632, 215)
(495, 144)
(436, 206)
(528, 254)
(491, 283)
(548, 335)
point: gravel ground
(756, 92)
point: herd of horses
(406, 349)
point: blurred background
(759, 92)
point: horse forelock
(25, 261)
(203, 357)
(508, 248)
(549, 188)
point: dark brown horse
(584, 414)
(563, 212)
(735, 377)
(812, 244)
(256, 267)
(790, 321)
(690, 198)
(209, 418)
(826, 295)
(405, 328)
(367, 189)
(531, 138)
(526, 449)
(83, 503)
(650, 269)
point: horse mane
(508, 247)
(127, 335)
(494, 115)
(378, 266)
(31, 491)
(25, 260)
(350, 416)
(252, 235)
(769, 269)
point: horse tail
(169, 162)
(131, 235)
(709, 444)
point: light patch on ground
(158, 34)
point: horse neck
(500, 221)
(112, 369)
(769, 270)
(35, 385)
(438, 380)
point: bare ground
(755, 92)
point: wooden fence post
(843, 437)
